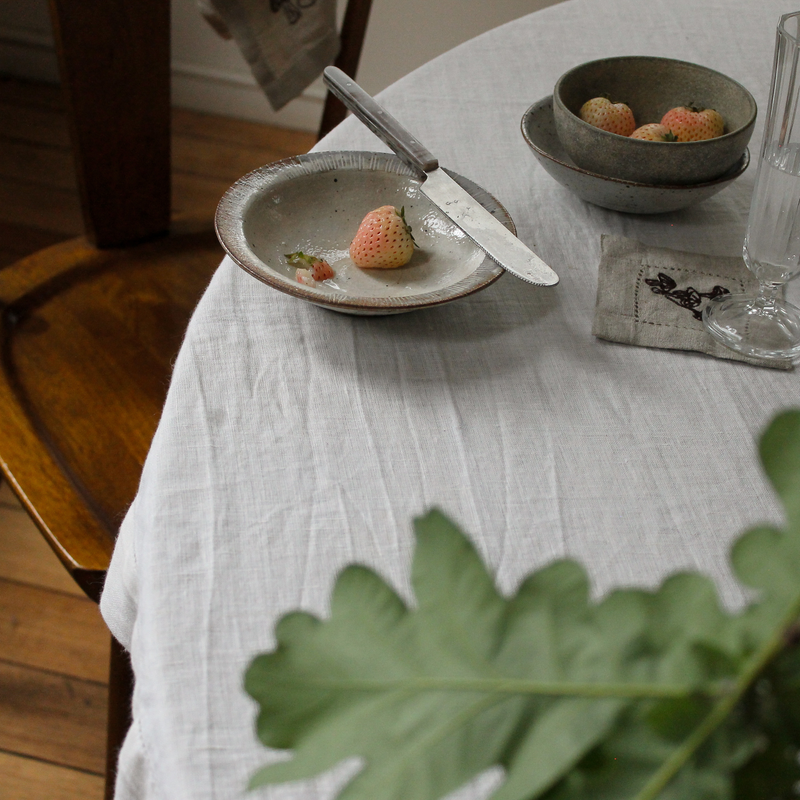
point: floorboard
(47, 208)
(25, 556)
(196, 196)
(52, 630)
(246, 134)
(53, 718)
(24, 93)
(45, 126)
(218, 159)
(18, 240)
(36, 163)
(26, 778)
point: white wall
(210, 75)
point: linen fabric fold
(654, 297)
(286, 43)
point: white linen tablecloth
(295, 440)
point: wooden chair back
(354, 29)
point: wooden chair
(90, 327)
(354, 29)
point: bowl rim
(730, 134)
(734, 172)
(229, 217)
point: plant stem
(568, 689)
(670, 768)
(638, 691)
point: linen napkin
(287, 43)
(654, 297)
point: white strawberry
(692, 124)
(383, 240)
(654, 132)
(608, 116)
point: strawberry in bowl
(654, 132)
(692, 124)
(383, 240)
(612, 117)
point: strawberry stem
(300, 258)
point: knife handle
(380, 122)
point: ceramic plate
(539, 130)
(316, 202)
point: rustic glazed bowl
(651, 86)
(315, 203)
(539, 131)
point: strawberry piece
(304, 276)
(383, 240)
(321, 271)
(654, 132)
(691, 124)
(310, 269)
(612, 117)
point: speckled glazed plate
(539, 131)
(316, 202)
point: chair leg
(120, 695)
(115, 72)
(354, 28)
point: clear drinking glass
(767, 325)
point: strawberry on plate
(654, 132)
(692, 124)
(383, 240)
(310, 269)
(608, 116)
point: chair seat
(73, 440)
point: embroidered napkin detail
(654, 297)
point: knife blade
(455, 202)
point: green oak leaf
(642, 695)
(779, 449)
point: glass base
(754, 327)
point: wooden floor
(52, 692)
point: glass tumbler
(767, 326)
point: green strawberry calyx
(401, 212)
(607, 96)
(697, 109)
(300, 259)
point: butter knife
(456, 203)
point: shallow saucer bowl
(315, 203)
(539, 131)
(651, 86)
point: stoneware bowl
(652, 86)
(539, 131)
(316, 202)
